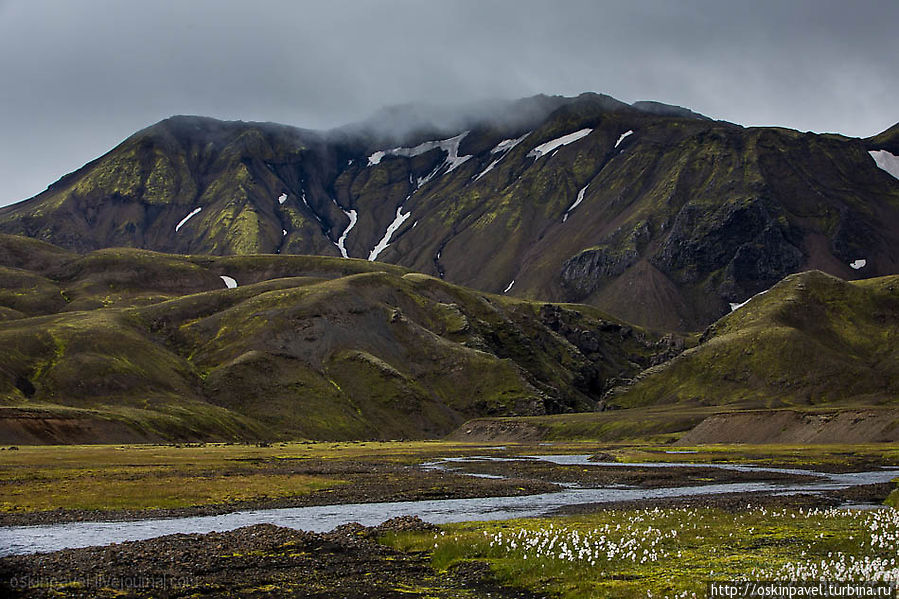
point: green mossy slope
(812, 340)
(304, 347)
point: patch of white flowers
(839, 544)
(633, 540)
(881, 543)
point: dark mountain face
(654, 213)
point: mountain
(653, 213)
(125, 344)
(813, 360)
(812, 340)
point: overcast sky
(76, 78)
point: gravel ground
(256, 561)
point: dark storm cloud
(78, 77)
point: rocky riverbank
(255, 561)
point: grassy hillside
(305, 346)
(812, 340)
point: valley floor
(666, 547)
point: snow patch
(422, 180)
(488, 169)
(503, 148)
(450, 146)
(507, 144)
(546, 148)
(453, 160)
(187, 218)
(282, 198)
(341, 243)
(391, 229)
(734, 306)
(580, 198)
(623, 136)
(306, 204)
(886, 161)
(506, 290)
(860, 263)
(229, 282)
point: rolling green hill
(127, 344)
(813, 340)
(814, 360)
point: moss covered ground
(669, 552)
(112, 477)
(146, 477)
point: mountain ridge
(661, 219)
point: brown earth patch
(486, 430)
(34, 427)
(793, 427)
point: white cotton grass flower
(858, 546)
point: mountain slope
(303, 346)
(653, 213)
(813, 340)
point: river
(34, 539)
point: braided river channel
(42, 538)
